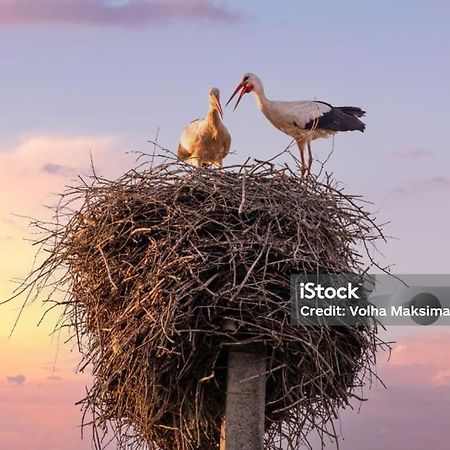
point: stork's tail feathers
(342, 118)
(346, 118)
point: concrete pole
(243, 428)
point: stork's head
(214, 100)
(250, 82)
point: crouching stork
(206, 141)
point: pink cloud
(16, 379)
(442, 378)
(36, 161)
(410, 153)
(135, 13)
(429, 349)
(422, 360)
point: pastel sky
(101, 77)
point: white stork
(302, 120)
(206, 141)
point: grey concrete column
(243, 428)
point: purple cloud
(410, 153)
(438, 182)
(134, 13)
(17, 379)
(57, 169)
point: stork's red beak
(244, 88)
(218, 105)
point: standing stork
(206, 141)
(302, 120)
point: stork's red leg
(301, 147)
(310, 157)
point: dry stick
(241, 206)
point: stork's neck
(261, 99)
(213, 118)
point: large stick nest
(154, 262)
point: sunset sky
(103, 76)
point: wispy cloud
(431, 349)
(442, 378)
(438, 183)
(16, 379)
(27, 172)
(410, 153)
(58, 169)
(134, 13)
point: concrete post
(243, 428)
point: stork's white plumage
(206, 141)
(302, 120)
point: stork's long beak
(218, 105)
(241, 87)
